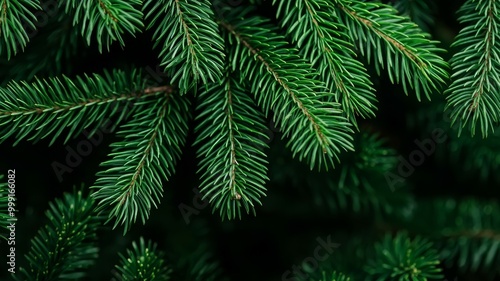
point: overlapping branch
(473, 95)
(66, 246)
(286, 84)
(63, 106)
(326, 45)
(191, 46)
(231, 141)
(394, 43)
(150, 145)
(16, 17)
(105, 20)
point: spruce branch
(15, 17)
(45, 108)
(143, 262)
(473, 94)
(65, 247)
(402, 258)
(395, 43)
(232, 163)
(151, 144)
(191, 46)
(325, 44)
(106, 20)
(285, 83)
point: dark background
(285, 229)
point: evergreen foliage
(191, 49)
(105, 20)
(66, 246)
(400, 258)
(314, 69)
(143, 262)
(46, 108)
(150, 146)
(232, 160)
(396, 44)
(325, 44)
(317, 132)
(473, 93)
(15, 18)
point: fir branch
(45, 108)
(285, 83)
(66, 246)
(400, 258)
(15, 17)
(233, 165)
(394, 43)
(473, 93)
(143, 262)
(108, 20)
(191, 46)
(151, 144)
(325, 44)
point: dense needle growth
(311, 68)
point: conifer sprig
(286, 84)
(66, 246)
(191, 46)
(402, 258)
(15, 17)
(150, 146)
(143, 262)
(45, 108)
(105, 20)
(326, 45)
(394, 43)
(473, 95)
(232, 163)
